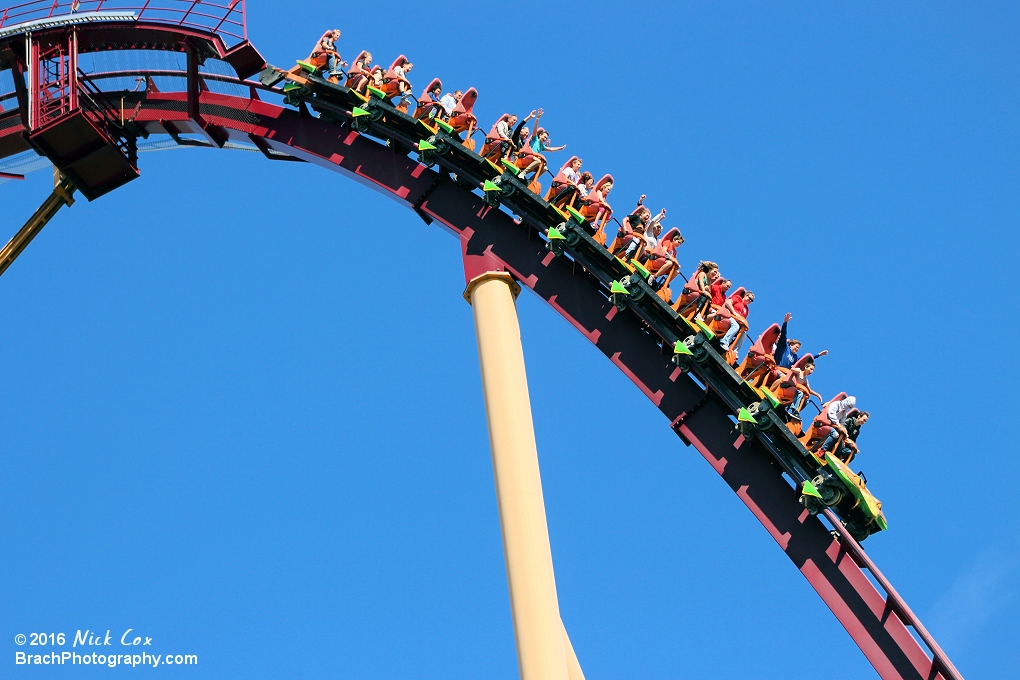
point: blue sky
(237, 425)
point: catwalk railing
(226, 18)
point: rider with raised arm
(787, 350)
(631, 232)
(529, 157)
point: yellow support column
(541, 641)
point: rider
(719, 290)
(793, 387)
(697, 291)
(663, 258)
(398, 72)
(838, 413)
(360, 73)
(450, 101)
(566, 183)
(738, 304)
(787, 351)
(504, 137)
(500, 138)
(632, 231)
(429, 105)
(854, 420)
(327, 47)
(530, 157)
(585, 183)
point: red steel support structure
(698, 407)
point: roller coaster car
(838, 487)
(660, 251)
(526, 157)
(719, 321)
(318, 65)
(356, 73)
(687, 302)
(820, 428)
(332, 101)
(428, 107)
(626, 231)
(596, 202)
(391, 83)
(759, 364)
(788, 384)
(786, 388)
(518, 193)
(463, 115)
(492, 148)
(559, 183)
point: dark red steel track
(491, 239)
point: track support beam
(61, 196)
(543, 648)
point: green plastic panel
(576, 215)
(704, 328)
(808, 489)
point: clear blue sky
(235, 423)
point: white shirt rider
(836, 413)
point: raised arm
(781, 343)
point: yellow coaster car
(847, 493)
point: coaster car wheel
(856, 530)
(762, 416)
(813, 505)
(699, 350)
(830, 490)
(507, 188)
(360, 124)
(442, 145)
(427, 157)
(491, 197)
(635, 290)
(571, 232)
